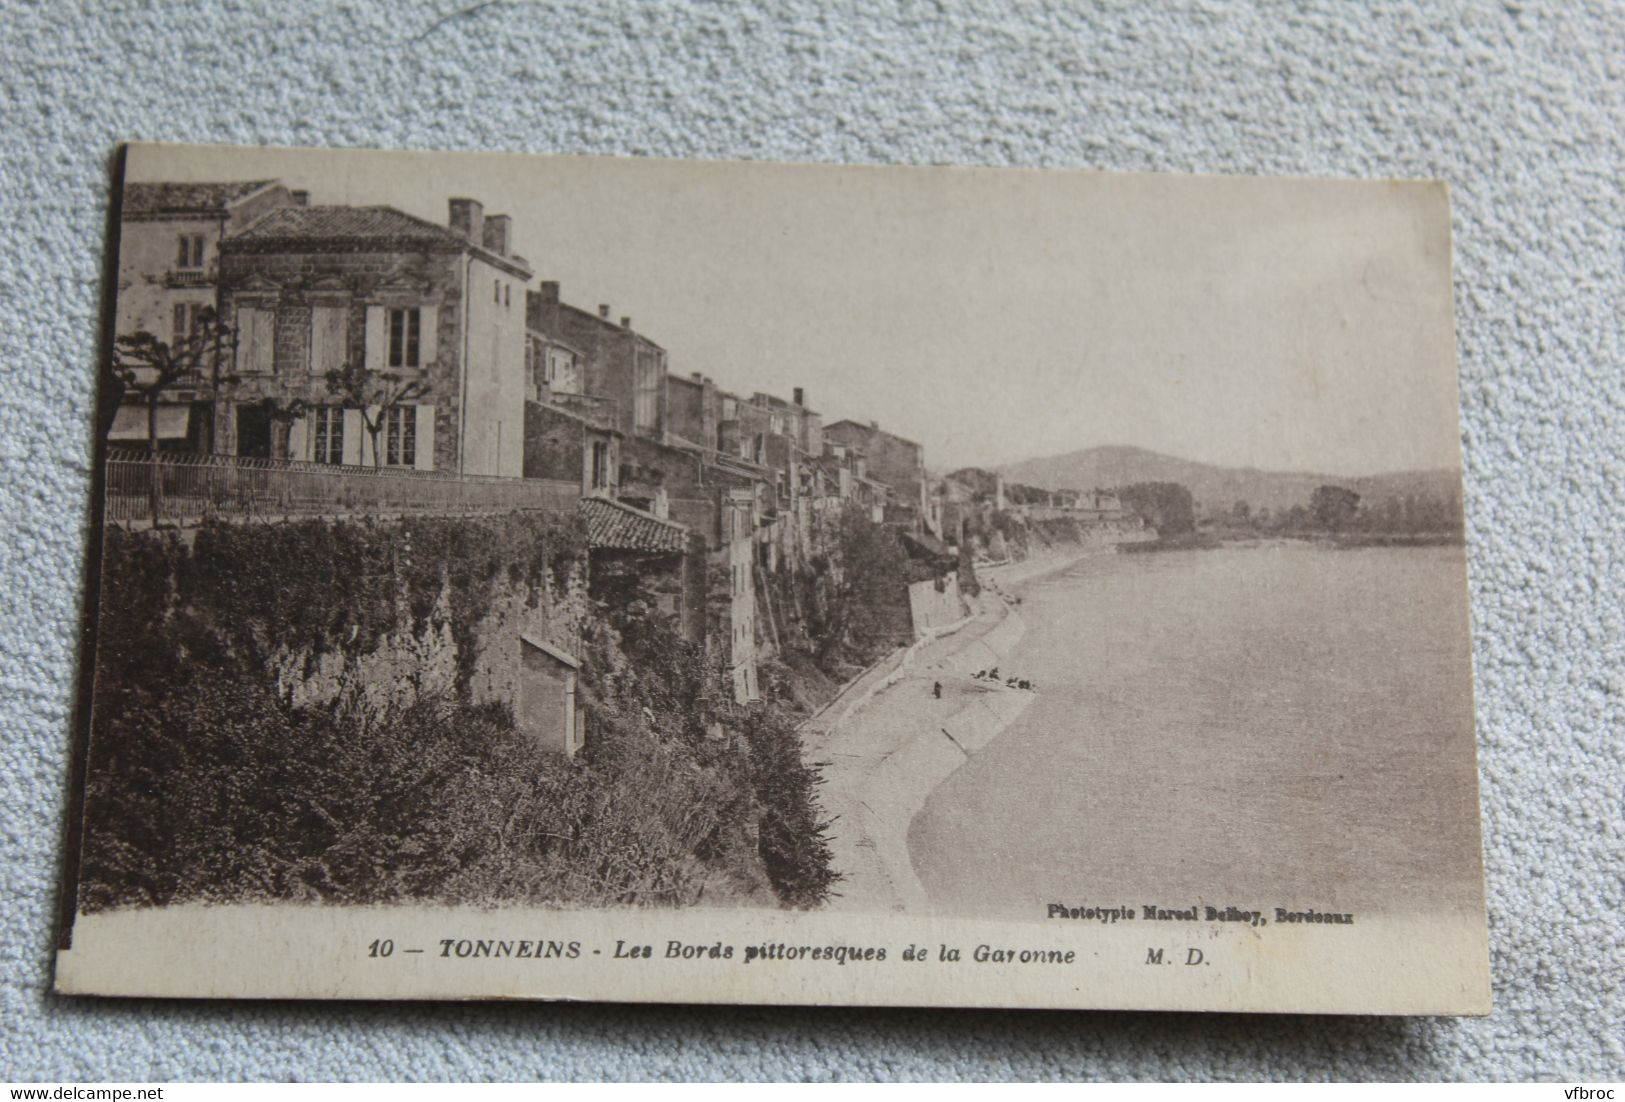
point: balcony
(190, 277)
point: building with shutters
(311, 289)
(168, 273)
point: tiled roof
(619, 527)
(349, 224)
(187, 198)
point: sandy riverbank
(889, 741)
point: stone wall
(935, 604)
(365, 614)
(414, 660)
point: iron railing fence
(189, 487)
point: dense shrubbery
(204, 786)
(792, 834)
(1165, 506)
(218, 793)
(672, 688)
(856, 595)
(1352, 519)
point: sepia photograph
(653, 580)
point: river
(1257, 726)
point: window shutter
(364, 442)
(428, 334)
(267, 339)
(329, 332)
(425, 455)
(354, 433)
(255, 350)
(299, 438)
(377, 352)
(245, 340)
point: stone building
(168, 273)
(694, 411)
(637, 555)
(739, 527)
(309, 290)
(743, 428)
(567, 445)
(795, 419)
(622, 369)
(890, 459)
(546, 701)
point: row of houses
(486, 372)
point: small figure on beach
(936, 689)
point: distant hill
(1213, 486)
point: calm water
(1268, 726)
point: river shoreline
(888, 741)
(1299, 705)
(1214, 541)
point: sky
(992, 315)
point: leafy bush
(232, 593)
(793, 838)
(216, 793)
(204, 786)
(669, 686)
(1165, 506)
(859, 604)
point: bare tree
(374, 394)
(147, 366)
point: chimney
(498, 227)
(468, 219)
(800, 396)
(874, 426)
(603, 310)
(301, 198)
(696, 376)
(626, 321)
(550, 292)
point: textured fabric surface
(1518, 105)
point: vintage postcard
(616, 579)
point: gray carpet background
(1520, 106)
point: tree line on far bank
(1334, 510)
